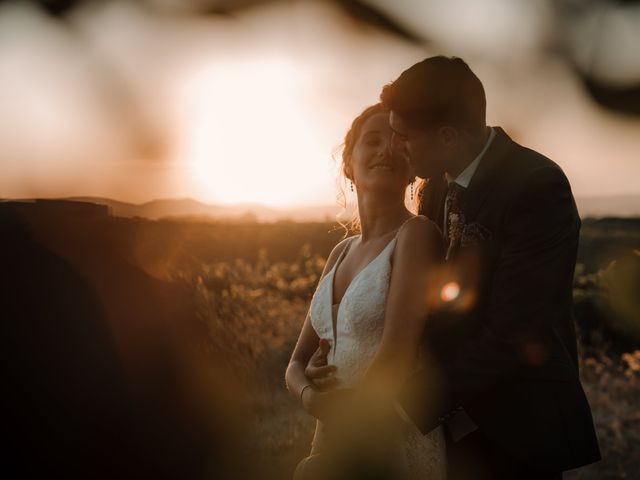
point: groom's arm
(532, 276)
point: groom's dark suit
(507, 349)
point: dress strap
(343, 253)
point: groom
(508, 394)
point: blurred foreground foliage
(607, 304)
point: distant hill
(188, 207)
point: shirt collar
(464, 179)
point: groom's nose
(397, 148)
(397, 143)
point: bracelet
(303, 389)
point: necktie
(454, 216)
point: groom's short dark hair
(438, 91)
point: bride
(370, 309)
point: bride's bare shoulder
(418, 233)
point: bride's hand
(325, 405)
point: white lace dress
(359, 325)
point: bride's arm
(307, 344)
(417, 258)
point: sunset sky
(139, 100)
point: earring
(411, 190)
(351, 185)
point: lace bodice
(358, 331)
(360, 315)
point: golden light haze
(123, 101)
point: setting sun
(247, 138)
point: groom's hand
(318, 370)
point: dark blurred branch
(371, 15)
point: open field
(204, 317)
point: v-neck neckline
(355, 277)
(338, 306)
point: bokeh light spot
(450, 291)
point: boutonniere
(474, 234)
(456, 226)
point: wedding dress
(357, 335)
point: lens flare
(450, 291)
